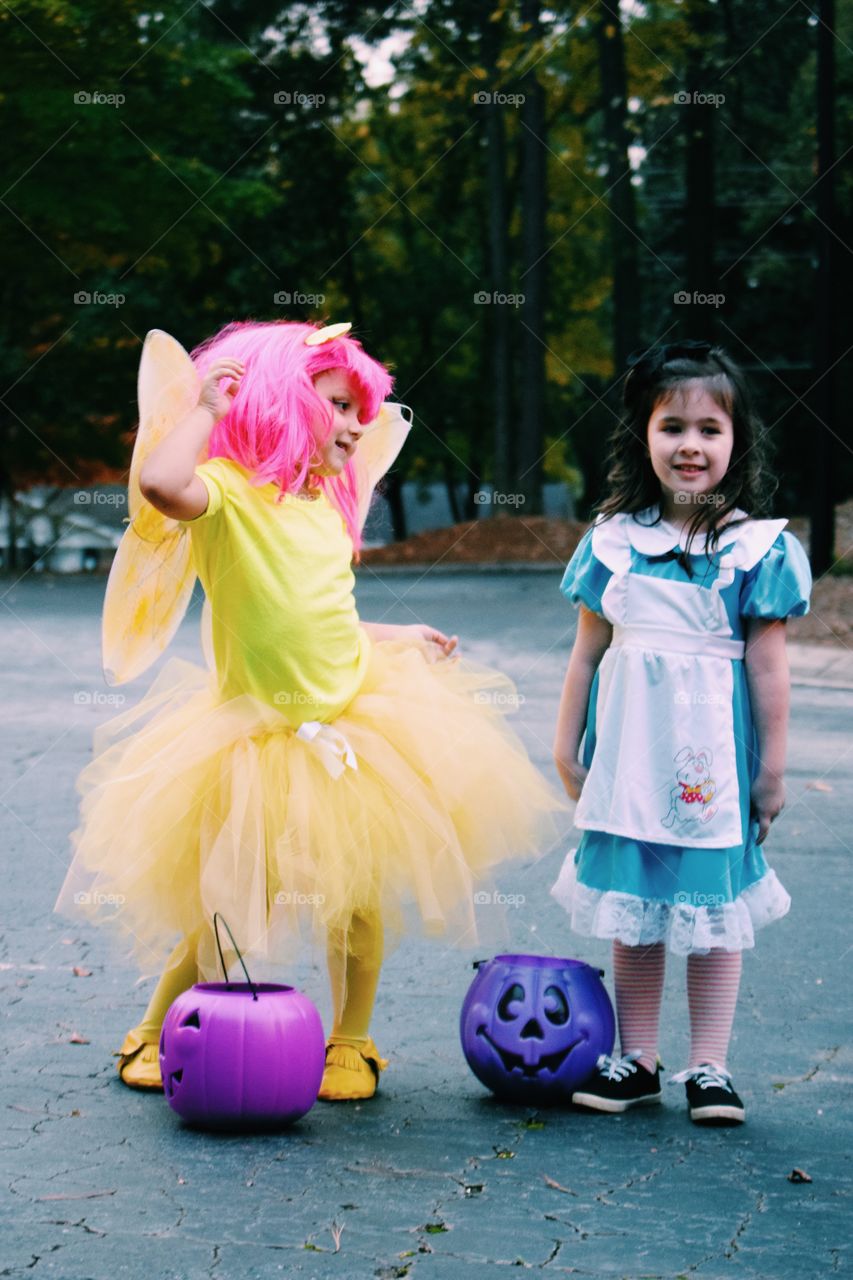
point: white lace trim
(685, 927)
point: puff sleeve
(216, 476)
(586, 577)
(779, 585)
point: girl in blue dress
(678, 684)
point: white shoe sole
(701, 1115)
(612, 1105)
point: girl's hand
(210, 397)
(429, 635)
(768, 800)
(572, 775)
(419, 634)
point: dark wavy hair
(652, 376)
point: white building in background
(78, 530)
(64, 530)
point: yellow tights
(354, 958)
(179, 975)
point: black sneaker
(619, 1084)
(711, 1097)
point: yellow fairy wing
(152, 575)
(378, 449)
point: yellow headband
(327, 334)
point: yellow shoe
(139, 1063)
(351, 1072)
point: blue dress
(668, 851)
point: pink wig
(277, 416)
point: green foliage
(200, 197)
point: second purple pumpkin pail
(533, 1027)
(241, 1054)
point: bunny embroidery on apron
(664, 767)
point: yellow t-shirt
(280, 584)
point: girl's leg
(352, 1059)
(355, 961)
(139, 1062)
(638, 974)
(713, 982)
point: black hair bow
(656, 357)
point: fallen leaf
(817, 785)
(549, 1182)
(80, 972)
(76, 1038)
(798, 1175)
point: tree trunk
(7, 499)
(826, 332)
(623, 221)
(393, 488)
(497, 317)
(533, 261)
(698, 317)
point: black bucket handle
(216, 921)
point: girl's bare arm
(591, 643)
(168, 480)
(769, 681)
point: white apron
(664, 768)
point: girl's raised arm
(592, 641)
(168, 480)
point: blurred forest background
(505, 198)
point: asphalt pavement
(433, 1178)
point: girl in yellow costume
(322, 766)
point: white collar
(658, 538)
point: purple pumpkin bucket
(533, 1027)
(241, 1055)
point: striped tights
(713, 981)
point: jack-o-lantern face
(530, 1029)
(533, 1027)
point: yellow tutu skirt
(193, 805)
